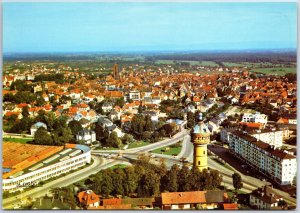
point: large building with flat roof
(26, 165)
(278, 164)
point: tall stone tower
(200, 138)
(116, 71)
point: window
(203, 152)
(199, 163)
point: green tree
(25, 111)
(42, 137)
(131, 180)
(149, 184)
(140, 109)
(75, 126)
(237, 181)
(107, 184)
(40, 101)
(113, 140)
(216, 178)
(146, 135)
(50, 119)
(120, 102)
(118, 179)
(127, 139)
(183, 179)
(170, 180)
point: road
(250, 183)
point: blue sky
(100, 26)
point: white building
(56, 165)
(107, 107)
(255, 118)
(88, 136)
(135, 95)
(35, 127)
(277, 164)
(270, 136)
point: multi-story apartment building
(255, 118)
(273, 136)
(277, 164)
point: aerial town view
(149, 106)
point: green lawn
(171, 151)
(18, 140)
(277, 70)
(192, 63)
(209, 63)
(164, 62)
(120, 166)
(230, 64)
(137, 144)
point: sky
(103, 26)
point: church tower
(200, 138)
(116, 71)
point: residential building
(273, 136)
(255, 118)
(88, 136)
(88, 199)
(265, 198)
(277, 164)
(193, 199)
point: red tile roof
(230, 206)
(183, 197)
(88, 197)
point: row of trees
(148, 180)
(24, 97)
(58, 78)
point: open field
(168, 150)
(18, 140)
(208, 63)
(137, 144)
(192, 63)
(279, 70)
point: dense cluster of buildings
(255, 140)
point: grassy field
(209, 63)
(18, 140)
(279, 70)
(164, 62)
(137, 144)
(120, 166)
(192, 63)
(230, 64)
(168, 150)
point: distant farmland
(277, 70)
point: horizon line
(152, 51)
